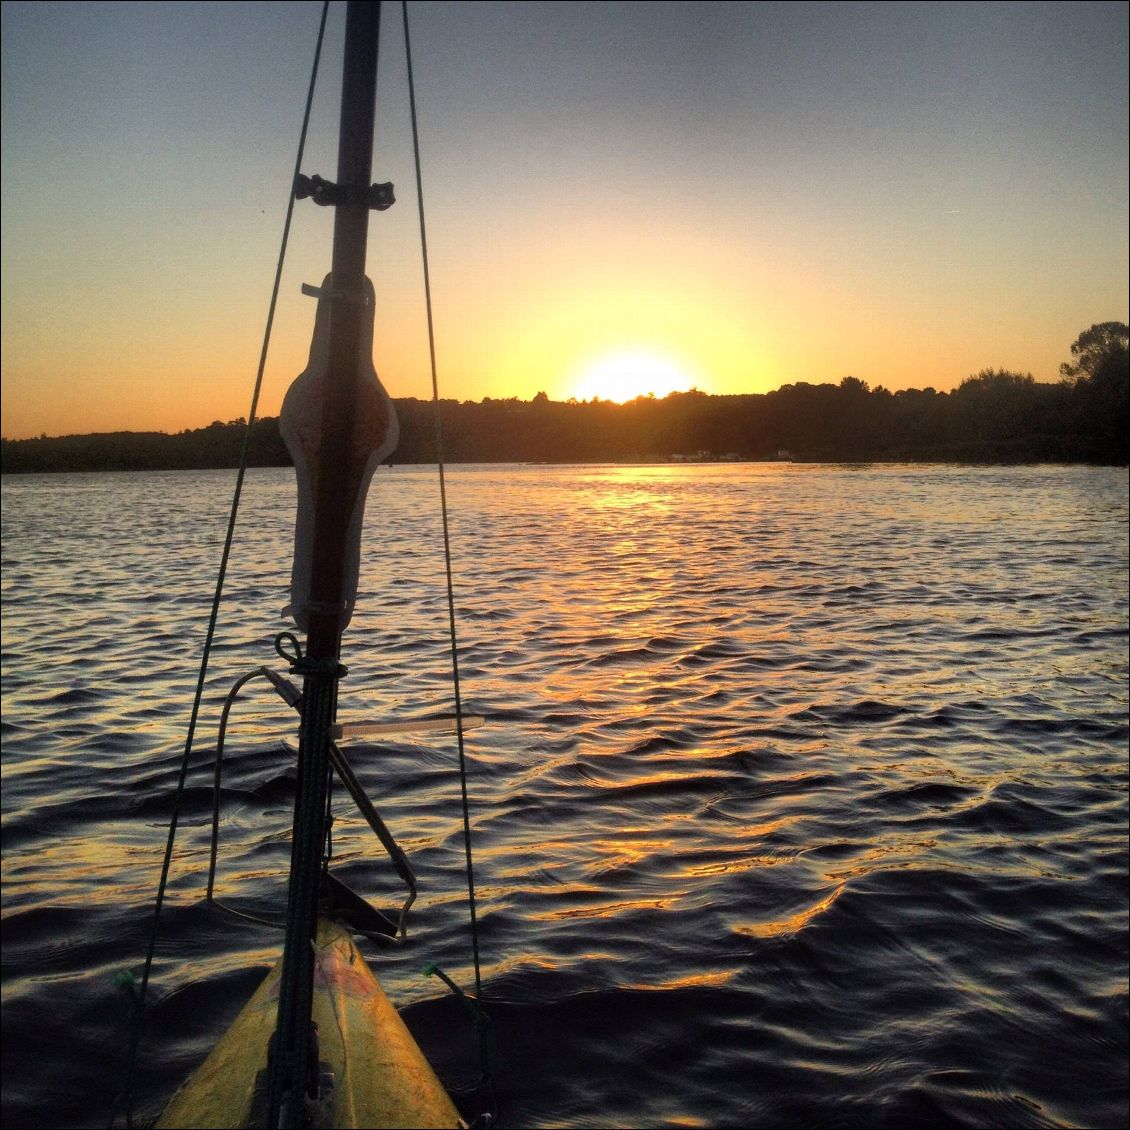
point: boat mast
(335, 490)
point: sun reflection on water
(791, 924)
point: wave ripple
(801, 798)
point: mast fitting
(308, 666)
(375, 197)
(357, 297)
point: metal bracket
(376, 197)
(356, 298)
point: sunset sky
(621, 196)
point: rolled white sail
(375, 433)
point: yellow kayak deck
(380, 1076)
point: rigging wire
(139, 1011)
(438, 418)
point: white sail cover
(375, 434)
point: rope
(139, 1013)
(217, 772)
(484, 1066)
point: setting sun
(624, 376)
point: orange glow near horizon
(741, 235)
(647, 330)
(626, 375)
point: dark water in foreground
(802, 799)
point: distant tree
(854, 385)
(993, 409)
(1098, 387)
(1098, 352)
(995, 381)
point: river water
(801, 798)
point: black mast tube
(291, 1061)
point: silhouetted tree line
(993, 416)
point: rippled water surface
(801, 798)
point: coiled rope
(126, 1099)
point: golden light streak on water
(793, 923)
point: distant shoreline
(994, 418)
(642, 463)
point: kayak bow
(370, 1070)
